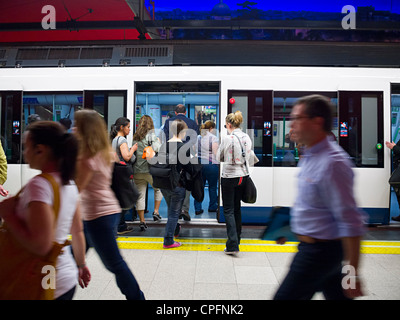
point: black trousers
(316, 267)
(232, 190)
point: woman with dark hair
(145, 137)
(119, 130)
(31, 217)
(176, 196)
(100, 207)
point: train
(366, 101)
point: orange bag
(22, 273)
(148, 153)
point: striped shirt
(325, 207)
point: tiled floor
(204, 275)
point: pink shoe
(174, 245)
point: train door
(159, 100)
(395, 136)
(11, 129)
(361, 136)
(257, 110)
(110, 104)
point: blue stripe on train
(260, 215)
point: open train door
(256, 108)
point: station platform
(199, 269)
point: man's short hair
(318, 106)
(180, 108)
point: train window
(256, 108)
(361, 127)
(110, 104)
(50, 106)
(10, 125)
(285, 151)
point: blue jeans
(174, 199)
(210, 173)
(100, 234)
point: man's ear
(319, 121)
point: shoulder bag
(394, 179)
(123, 185)
(250, 190)
(24, 275)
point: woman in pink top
(100, 207)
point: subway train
(366, 100)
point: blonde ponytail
(235, 119)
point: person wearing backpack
(178, 161)
(31, 218)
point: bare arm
(351, 246)
(126, 152)
(79, 248)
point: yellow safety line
(247, 245)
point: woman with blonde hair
(234, 175)
(145, 137)
(100, 207)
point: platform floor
(199, 270)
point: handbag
(23, 274)
(249, 194)
(394, 179)
(123, 185)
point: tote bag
(394, 179)
(250, 190)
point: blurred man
(325, 217)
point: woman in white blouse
(234, 152)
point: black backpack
(165, 175)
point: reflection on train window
(159, 100)
(361, 122)
(10, 125)
(50, 106)
(109, 104)
(256, 108)
(286, 152)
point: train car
(366, 104)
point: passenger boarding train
(363, 121)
